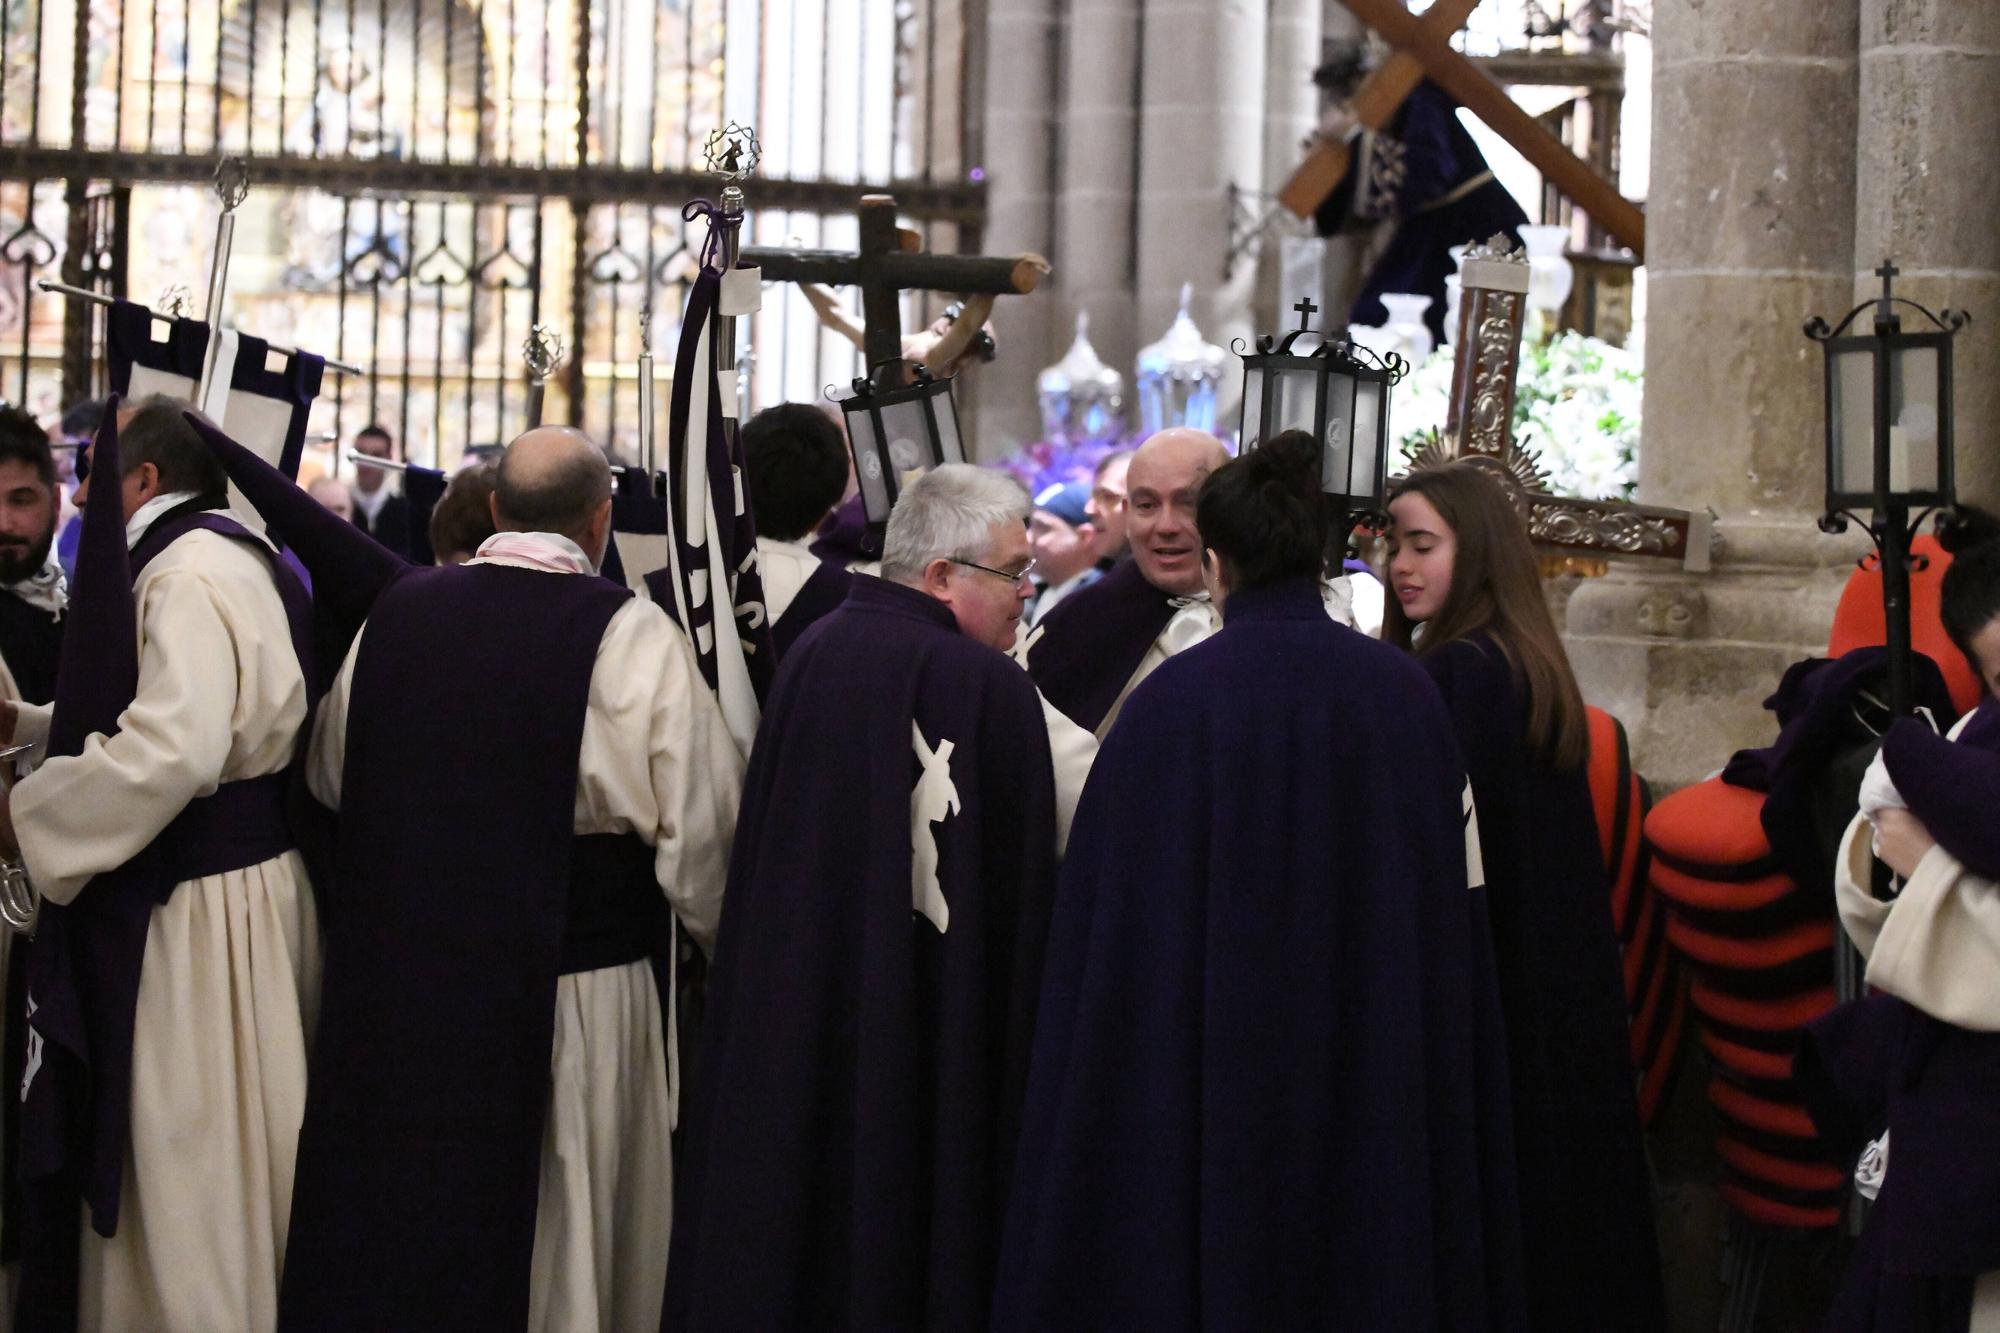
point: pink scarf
(537, 550)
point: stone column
(1022, 44)
(1927, 193)
(1202, 127)
(1750, 230)
(1096, 215)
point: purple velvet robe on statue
(1269, 1087)
(852, 1132)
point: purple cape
(414, 1205)
(1954, 788)
(1586, 1201)
(820, 595)
(1094, 640)
(853, 1132)
(1269, 1088)
(1935, 1227)
(85, 964)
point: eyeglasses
(1021, 575)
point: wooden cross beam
(1479, 429)
(1375, 102)
(1430, 48)
(889, 263)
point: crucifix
(891, 262)
(1479, 429)
(1423, 51)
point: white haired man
(878, 967)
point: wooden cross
(1479, 429)
(1423, 50)
(889, 263)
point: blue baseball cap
(1067, 501)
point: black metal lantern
(1337, 392)
(897, 432)
(1888, 443)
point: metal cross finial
(543, 351)
(1306, 308)
(176, 301)
(1885, 307)
(232, 182)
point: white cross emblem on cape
(934, 800)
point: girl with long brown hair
(1466, 599)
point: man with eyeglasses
(879, 962)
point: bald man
(531, 776)
(1096, 646)
(1094, 649)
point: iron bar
(100, 299)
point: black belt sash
(617, 914)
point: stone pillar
(1020, 110)
(1750, 230)
(1202, 127)
(1927, 193)
(1096, 214)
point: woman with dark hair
(1268, 1087)
(1467, 601)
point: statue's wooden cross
(1479, 429)
(889, 263)
(1423, 50)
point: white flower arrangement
(1576, 406)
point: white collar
(47, 589)
(534, 550)
(371, 504)
(149, 513)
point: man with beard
(32, 588)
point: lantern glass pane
(1913, 420)
(1370, 404)
(907, 441)
(1248, 426)
(1853, 422)
(875, 495)
(951, 448)
(1297, 405)
(1336, 447)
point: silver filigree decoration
(732, 152)
(1577, 523)
(232, 182)
(1497, 249)
(543, 351)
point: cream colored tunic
(656, 761)
(784, 568)
(1072, 750)
(230, 982)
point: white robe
(230, 982)
(1936, 947)
(656, 761)
(1072, 750)
(784, 567)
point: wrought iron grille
(432, 177)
